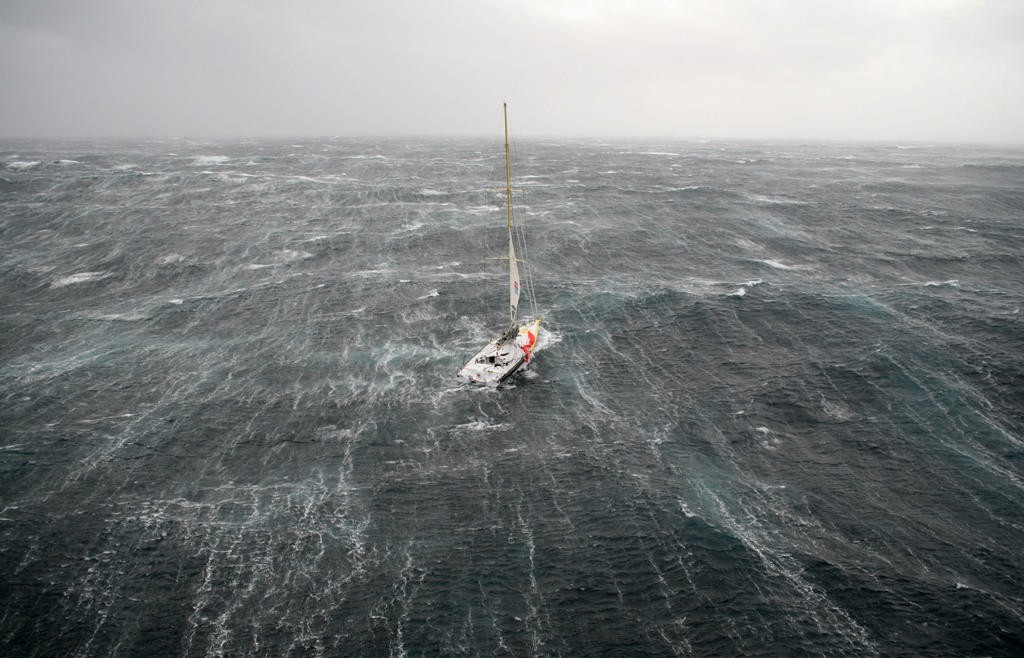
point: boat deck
(495, 363)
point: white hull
(495, 363)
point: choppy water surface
(778, 409)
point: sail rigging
(514, 288)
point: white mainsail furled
(510, 352)
(514, 288)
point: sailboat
(510, 352)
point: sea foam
(81, 277)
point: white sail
(514, 287)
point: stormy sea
(776, 407)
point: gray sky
(914, 70)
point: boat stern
(493, 364)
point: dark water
(779, 408)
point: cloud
(899, 69)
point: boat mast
(508, 171)
(513, 268)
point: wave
(548, 338)
(170, 259)
(691, 430)
(206, 160)
(81, 277)
(281, 257)
(131, 316)
(664, 154)
(764, 199)
(779, 265)
(949, 283)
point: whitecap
(22, 164)
(281, 257)
(478, 426)
(739, 292)
(687, 512)
(311, 179)
(768, 438)
(774, 200)
(133, 316)
(837, 410)
(211, 159)
(546, 339)
(779, 265)
(289, 255)
(81, 277)
(432, 293)
(480, 210)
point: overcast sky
(914, 70)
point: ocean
(776, 408)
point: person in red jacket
(525, 340)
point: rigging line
(512, 158)
(526, 274)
